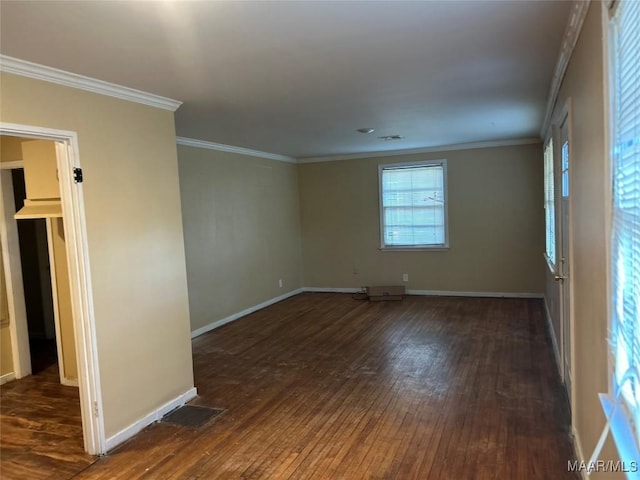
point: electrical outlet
(280, 283)
(405, 277)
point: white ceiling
(298, 78)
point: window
(564, 168)
(549, 205)
(413, 205)
(625, 235)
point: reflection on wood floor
(321, 386)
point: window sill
(622, 433)
(415, 249)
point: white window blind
(625, 261)
(549, 204)
(413, 205)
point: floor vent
(192, 416)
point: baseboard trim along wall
(437, 293)
(7, 377)
(446, 293)
(441, 293)
(331, 290)
(70, 382)
(577, 447)
(247, 311)
(552, 334)
(147, 420)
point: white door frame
(71, 196)
(18, 329)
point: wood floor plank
(322, 386)
(40, 429)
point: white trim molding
(331, 290)
(577, 15)
(577, 447)
(446, 293)
(68, 79)
(441, 293)
(10, 246)
(7, 377)
(552, 334)
(218, 323)
(412, 151)
(136, 427)
(432, 293)
(11, 165)
(192, 142)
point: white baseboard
(69, 382)
(577, 446)
(223, 321)
(331, 290)
(7, 377)
(218, 323)
(554, 340)
(147, 420)
(447, 293)
(439, 293)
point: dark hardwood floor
(40, 428)
(322, 386)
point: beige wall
(6, 360)
(583, 84)
(11, 148)
(242, 231)
(496, 224)
(134, 230)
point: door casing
(564, 248)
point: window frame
(412, 248)
(621, 416)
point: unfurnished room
(320, 239)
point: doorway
(36, 281)
(43, 260)
(75, 248)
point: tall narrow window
(564, 168)
(549, 204)
(625, 244)
(413, 205)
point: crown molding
(577, 15)
(442, 148)
(192, 142)
(68, 79)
